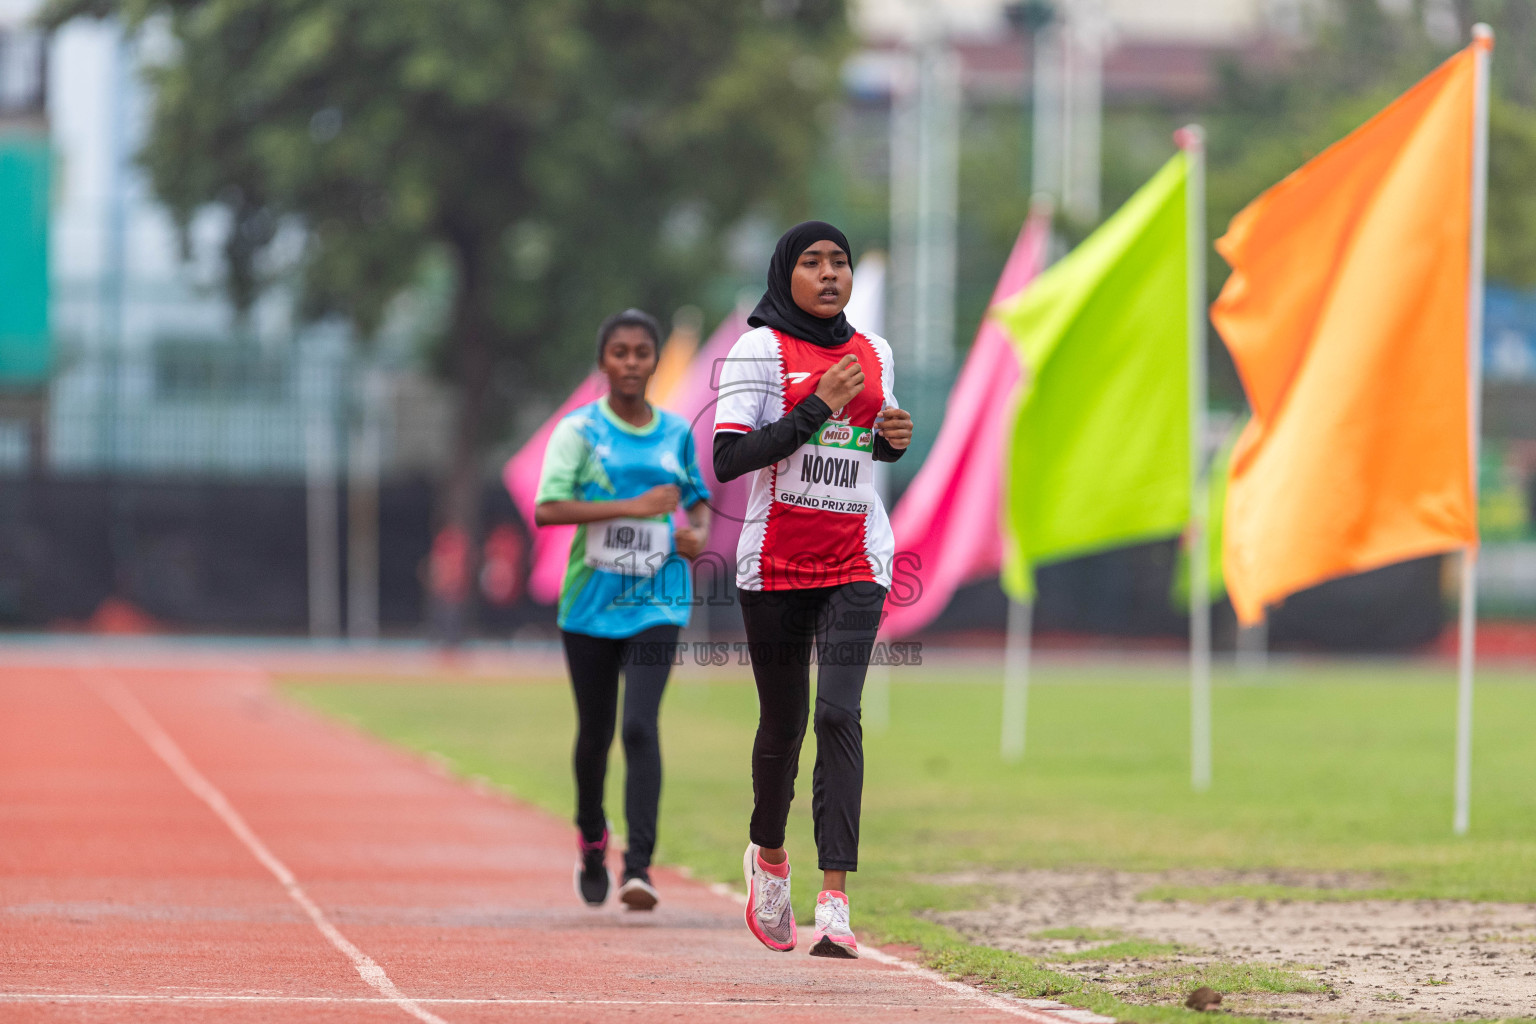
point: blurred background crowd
(284, 283)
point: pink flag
(946, 524)
(551, 544)
(694, 399)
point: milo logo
(845, 436)
(836, 433)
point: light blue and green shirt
(624, 576)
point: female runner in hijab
(807, 406)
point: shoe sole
(746, 868)
(636, 895)
(834, 950)
(576, 882)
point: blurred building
(1210, 21)
(152, 371)
(1151, 51)
(158, 450)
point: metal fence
(216, 410)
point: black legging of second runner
(594, 663)
(780, 625)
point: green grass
(1324, 768)
(1180, 980)
(1075, 934)
(1126, 949)
(1276, 893)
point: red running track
(180, 844)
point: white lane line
(115, 997)
(1006, 1004)
(126, 997)
(140, 721)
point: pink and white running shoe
(769, 916)
(833, 936)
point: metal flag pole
(1252, 656)
(866, 311)
(1482, 41)
(1191, 139)
(1016, 678)
(1016, 649)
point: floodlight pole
(1191, 139)
(1482, 41)
(1046, 122)
(323, 507)
(364, 465)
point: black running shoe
(592, 878)
(637, 893)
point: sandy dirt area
(1381, 960)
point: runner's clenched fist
(895, 425)
(839, 384)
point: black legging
(780, 625)
(594, 664)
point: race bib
(834, 471)
(632, 547)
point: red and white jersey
(813, 519)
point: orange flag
(1346, 314)
(673, 362)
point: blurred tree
(561, 159)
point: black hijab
(777, 308)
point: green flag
(1099, 452)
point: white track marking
(124, 997)
(1007, 1004)
(140, 721)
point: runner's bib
(631, 547)
(834, 471)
